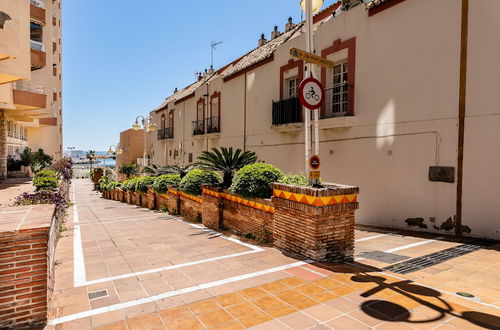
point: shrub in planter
(163, 181)
(47, 174)
(254, 180)
(295, 180)
(129, 185)
(64, 168)
(45, 183)
(142, 184)
(191, 183)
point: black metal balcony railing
(213, 125)
(287, 111)
(336, 102)
(166, 133)
(199, 127)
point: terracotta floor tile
(233, 325)
(229, 299)
(343, 305)
(298, 320)
(144, 321)
(242, 310)
(203, 306)
(190, 323)
(267, 302)
(322, 312)
(346, 322)
(328, 283)
(274, 287)
(292, 281)
(107, 318)
(373, 319)
(281, 311)
(325, 296)
(252, 293)
(255, 319)
(343, 290)
(290, 295)
(177, 313)
(83, 324)
(115, 326)
(310, 289)
(303, 303)
(273, 324)
(212, 319)
(304, 274)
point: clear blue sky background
(123, 58)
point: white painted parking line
(169, 294)
(369, 238)
(407, 246)
(79, 272)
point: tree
(226, 161)
(91, 156)
(129, 170)
(181, 170)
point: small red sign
(311, 93)
(314, 162)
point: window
(36, 32)
(163, 122)
(190, 157)
(339, 91)
(9, 128)
(292, 87)
(171, 119)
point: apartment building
(132, 146)
(410, 116)
(30, 78)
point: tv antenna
(214, 45)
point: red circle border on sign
(303, 101)
(311, 160)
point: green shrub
(129, 185)
(191, 183)
(47, 174)
(163, 181)
(295, 180)
(45, 183)
(142, 184)
(254, 180)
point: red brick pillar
(212, 207)
(3, 146)
(173, 201)
(315, 223)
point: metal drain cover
(98, 294)
(388, 258)
(465, 294)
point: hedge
(254, 180)
(163, 181)
(191, 183)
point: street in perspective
(339, 172)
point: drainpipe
(245, 116)
(461, 111)
(207, 113)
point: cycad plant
(226, 161)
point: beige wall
(406, 114)
(132, 145)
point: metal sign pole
(307, 114)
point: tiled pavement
(160, 272)
(11, 188)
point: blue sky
(122, 58)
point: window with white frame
(339, 90)
(292, 87)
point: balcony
(198, 127)
(37, 11)
(27, 97)
(47, 121)
(287, 111)
(166, 133)
(38, 56)
(213, 125)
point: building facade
(132, 146)
(30, 78)
(410, 114)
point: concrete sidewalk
(148, 270)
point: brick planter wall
(212, 207)
(127, 197)
(145, 200)
(315, 223)
(28, 236)
(190, 208)
(136, 198)
(151, 199)
(161, 201)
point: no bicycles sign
(311, 93)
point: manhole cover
(98, 294)
(388, 258)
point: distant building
(397, 120)
(30, 78)
(132, 145)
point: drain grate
(435, 258)
(98, 294)
(388, 258)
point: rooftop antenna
(214, 45)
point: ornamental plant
(142, 184)
(129, 185)
(47, 173)
(64, 168)
(295, 180)
(254, 180)
(191, 183)
(162, 182)
(129, 170)
(45, 183)
(42, 197)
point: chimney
(289, 26)
(211, 70)
(275, 34)
(262, 40)
(199, 76)
(176, 90)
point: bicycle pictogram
(312, 95)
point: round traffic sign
(311, 93)
(314, 162)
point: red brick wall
(190, 209)
(212, 207)
(26, 273)
(247, 220)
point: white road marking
(370, 238)
(79, 272)
(407, 246)
(169, 294)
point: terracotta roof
(374, 3)
(259, 54)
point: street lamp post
(148, 126)
(310, 7)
